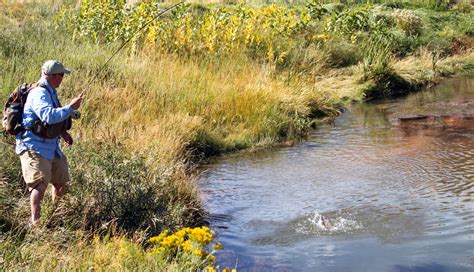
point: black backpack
(13, 110)
(13, 115)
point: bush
(404, 44)
(408, 21)
(187, 243)
(464, 7)
(341, 53)
(386, 83)
(109, 189)
(112, 188)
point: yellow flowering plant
(192, 242)
(265, 31)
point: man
(42, 161)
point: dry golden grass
(423, 66)
(164, 103)
(411, 67)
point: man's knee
(38, 192)
(40, 187)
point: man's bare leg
(36, 197)
(58, 192)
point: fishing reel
(76, 114)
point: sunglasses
(61, 75)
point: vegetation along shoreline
(201, 80)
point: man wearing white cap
(42, 161)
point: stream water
(395, 179)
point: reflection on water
(395, 179)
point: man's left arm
(67, 138)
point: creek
(395, 179)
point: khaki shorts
(37, 169)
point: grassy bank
(200, 81)
(129, 195)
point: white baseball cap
(52, 67)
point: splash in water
(319, 223)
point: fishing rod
(76, 114)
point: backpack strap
(44, 86)
(45, 130)
(32, 87)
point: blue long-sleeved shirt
(41, 104)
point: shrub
(187, 242)
(386, 83)
(404, 44)
(316, 9)
(350, 20)
(111, 188)
(464, 7)
(341, 53)
(408, 21)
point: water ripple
(402, 196)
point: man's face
(55, 80)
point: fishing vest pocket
(50, 131)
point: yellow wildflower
(218, 246)
(187, 246)
(353, 38)
(159, 238)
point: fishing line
(76, 114)
(123, 45)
